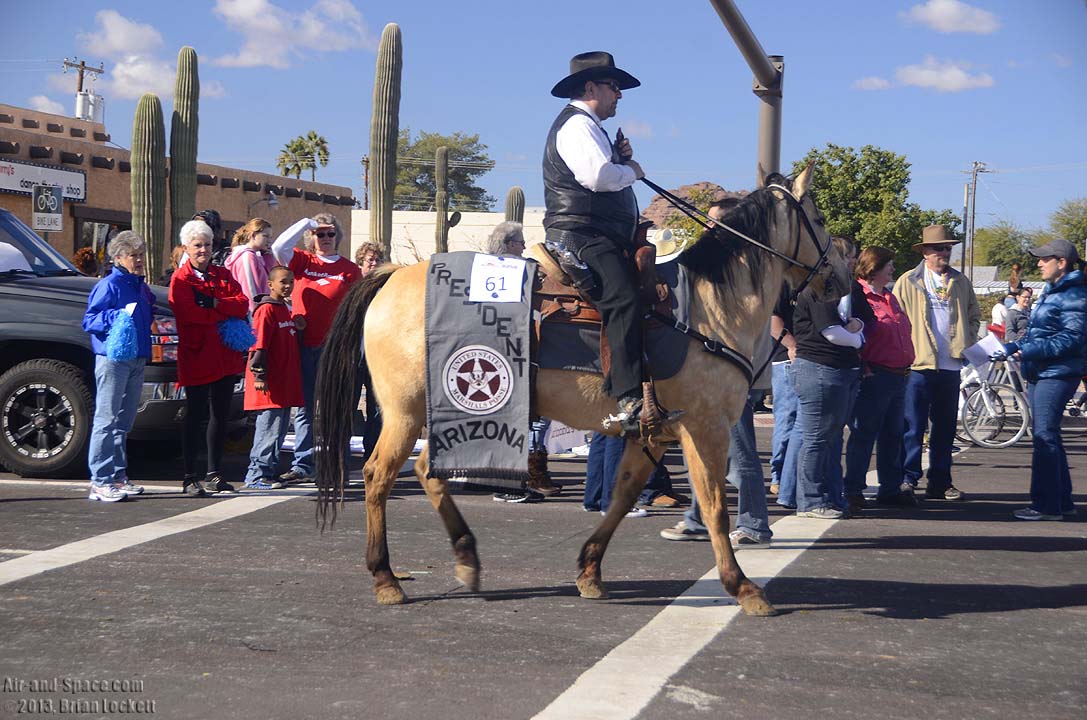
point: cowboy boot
(539, 479)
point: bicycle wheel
(995, 416)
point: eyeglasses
(329, 234)
(940, 248)
(610, 83)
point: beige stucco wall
(413, 232)
(108, 189)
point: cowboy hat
(667, 247)
(935, 235)
(592, 66)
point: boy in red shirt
(273, 378)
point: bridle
(715, 347)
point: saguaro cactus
(384, 129)
(183, 136)
(515, 204)
(148, 186)
(441, 199)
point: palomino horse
(733, 289)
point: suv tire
(46, 408)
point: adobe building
(42, 148)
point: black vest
(572, 207)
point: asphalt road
(240, 608)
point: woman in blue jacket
(118, 319)
(1054, 355)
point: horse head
(819, 265)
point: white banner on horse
(560, 438)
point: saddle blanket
(477, 383)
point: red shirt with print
(276, 337)
(887, 339)
(202, 357)
(319, 288)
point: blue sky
(943, 82)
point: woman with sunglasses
(322, 279)
(1054, 356)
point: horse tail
(340, 365)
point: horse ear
(803, 180)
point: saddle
(555, 299)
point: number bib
(496, 279)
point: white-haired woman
(507, 238)
(203, 296)
(118, 319)
(322, 278)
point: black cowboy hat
(592, 66)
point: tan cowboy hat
(668, 249)
(592, 66)
(935, 235)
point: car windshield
(21, 250)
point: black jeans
(616, 298)
(215, 398)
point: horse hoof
(390, 595)
(467, 576)
(591, 589)
(757, 606)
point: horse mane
(718, 255)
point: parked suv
(47, 366)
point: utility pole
(82, 68)
(978, 167)
(965, 227)
(365, 182)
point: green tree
(316, 152)
(1002, 244)
(1069, 221)
(290, 158)
(416, 184)
(865, 195)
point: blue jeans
(1050, 482)
(784, 418)
(825, 396)
(745, 474)
(118, 384)
(537, 430)
(930, 395)
(605, 452)
(267, 439)
(304, 461)
(877, 421)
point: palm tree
(316, 152)
(292, 158)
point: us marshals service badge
(477, 379)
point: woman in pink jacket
(251, 258)
(878, 414)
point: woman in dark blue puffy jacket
(1054, 355)
(118, 319)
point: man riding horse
(592, 215)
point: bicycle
(994, 413)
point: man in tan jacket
(944, 312)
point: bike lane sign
(48, 204)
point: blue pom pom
(236, 334)
(121, 342)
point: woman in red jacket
(203, 296)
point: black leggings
(199, 399)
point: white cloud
(134, 75)
(872, 83)
(637, 129)
(63, 82)
(212, 89)
(951, 16)
(43, 104)
(117, 36)
(1060, 60)
(274, 36)
(942, 75)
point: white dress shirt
(584, 147)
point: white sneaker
(634, 513)
(107, 493)
(128, 488)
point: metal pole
(767, 85)
(965, 227)
(973, 214)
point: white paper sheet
(496, 279)
(978, 353)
